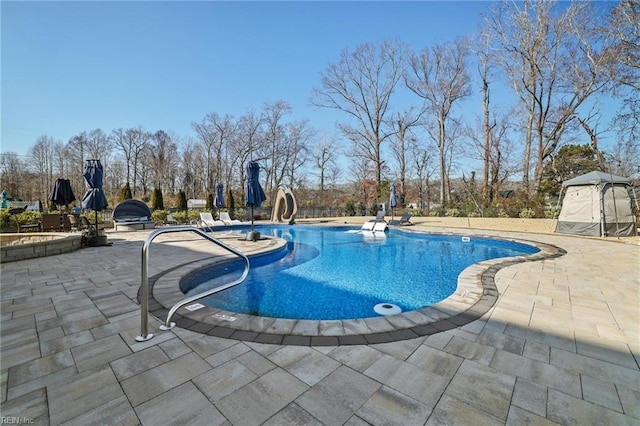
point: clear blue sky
(74, 66)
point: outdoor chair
(224, 217)
(380, 227)
(368, 226)
(74, 222)
(34, 227)
(376, 225)
(132, 215)
(87, 226)
(51, 222)
(18, 210)
(379, 216)
(66, 223)
(170, 220)
(373, 228)
(403, 221)
(207, 221)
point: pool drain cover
(387, 309)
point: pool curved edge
(475, 294)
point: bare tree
(592, 131)
(299, 136)
(362, 175)
(225, 130)
(98, 145)
(627, 127)
(115, 179)
(486, 61)
(455, 150)
(193, 177)
(499, 158)
(247, 140)
(439, 75)
(553, 55)
(77, 150)
(423, 169)
(136, 140)
(403, 123)
(361, 84)
(145, 172)
(172, 168)
(12, 173)
(59, 159)
(624, 32)
(623, 41)
(162, 150)
(501, 165)
(273, 153)
(325, 154)
(131, 142)
(42, 155)
(214, 133)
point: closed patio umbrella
(219, 200)
(255, 194)
(61, 193)
(392, 198)
(94, 198)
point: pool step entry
(144, 280)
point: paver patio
(560, 346)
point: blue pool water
(326, 273)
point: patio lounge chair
(380, 227)
(226, 219)
(74, 222)
(207, 221)
(403, 221)
(368, 226)
(66, 223)
(373, 227)
(379, 216)
(132, 215)
(87, 226)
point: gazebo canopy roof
(595, 178)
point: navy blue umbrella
(94, 198)
(255, 194)
(219, 199)
(61, 193)
(392, 198)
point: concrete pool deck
(560, 345)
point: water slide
(285, 207)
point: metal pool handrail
(144, 281)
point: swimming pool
(327, 273)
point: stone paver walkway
(560, 346)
